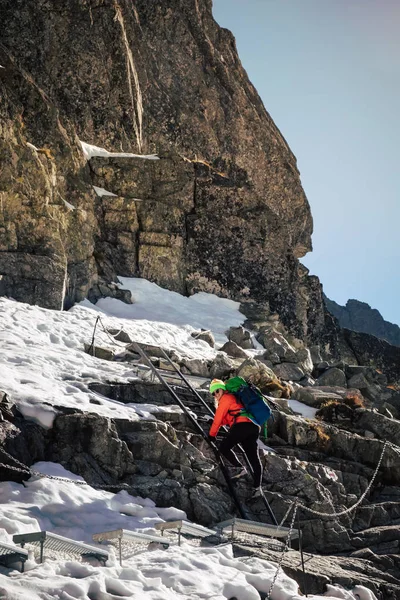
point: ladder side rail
(211, 412)
(169, 389)
(187, 382)
(198, 427)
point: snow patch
(90, 151)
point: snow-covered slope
(42, 366)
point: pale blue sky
(328, 72)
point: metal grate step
(125, 535)
(57, 543)
(11, 554)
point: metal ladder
(191, 402)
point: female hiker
(242, 430)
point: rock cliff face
(223, 209)
(359, 316)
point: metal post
(195, 392)
(233, 528)
(197, 427)
(41, 550)
(301, 553)
(179, 535)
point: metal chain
(354, 506)
(295, 506)
(25, 471)
(112, 336)
(15, 460)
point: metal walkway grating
(241, 525)
(57, 543)
(185, 528)
(11, 554)
(131, 537)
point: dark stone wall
(146, 77)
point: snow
(178, 573)
(43, 366)
(303, 409)
(69, 205)
(153, 303)
(102, 192)
(90, 151)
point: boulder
(256, 372)
(289, 371)
(276, 344)
(150, 349)
(210, 504)
(222, 366)
(204, 335)
(120, 335)
(304, 360)
(359, 381)
(382, 426)
(315, 353)
(233, 350)
(332, 377)
(98, 352)
(153, 441)
(89, 444)
(196, 366)
(315, 396)
(241, 337)
(374, 352)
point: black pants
(246, 434)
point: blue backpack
(255, 405)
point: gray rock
(275, 344)
(196, 366)
(307, 381)
(383, 427)
(120, 335)
(222, 366)
(315, 396)
(150, 349)
(359, 381)
(256, 372)
(233, 350)
(332, 377)
(315, 352)
(204, 335)
(304, 360)
(89, 444)
(289, 371)
(210, 504)
(98, 352)
(241, 337)
(153, 441)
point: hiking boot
(237, 472)
(257, 493)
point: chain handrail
(295, 507)
(354, 506)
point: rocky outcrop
(359, 316)
(370, 350)
(325, 467)
(165, 78)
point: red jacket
(223, 416)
